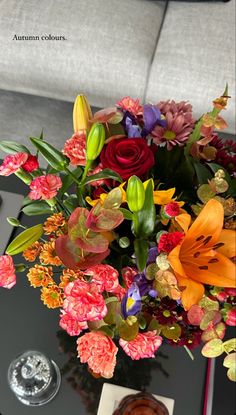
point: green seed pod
(124, 242)
(95, 141)
(135, 194)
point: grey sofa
(154, 50)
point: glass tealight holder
(34, 378)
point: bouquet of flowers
(138, 246)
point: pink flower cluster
(7, 272)
(99, 351)
(104, 276)
(130, 104)
(13, 162)
(45, 187)
(143, 346)
(75, 149)
(83, 301)
(72, 326)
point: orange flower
(52, 296)
(48, 254)
(53, 223)
(40, 276)
(31, 253)
(203, 256)
(68, 276)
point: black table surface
(27, 324)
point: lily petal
(175, 263)
(183, 220)
(228, 238)
(208, 224)
(163, 197)
(193, 292)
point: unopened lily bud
(95, 141)
(20, 267)
(135, 194)
(13, 221)
(81, 114)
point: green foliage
(25, 239)
(53, 156)
(11, 147)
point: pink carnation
(130, 104)
(7, 272)
(119, 292)
(144, 345)
(45, 187)
(97, 169)
(172, 209)
(12, 163)
(99, 352)
(84, 302)
(104, 276)
(128, 274)
(75, 149)
(72, 326)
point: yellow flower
(52, 296)
(48, 254)
(53, 223)
(30, 254)
(40, 276)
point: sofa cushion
(107, 52)
(195, 56)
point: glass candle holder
(34, 378)
(142, 403)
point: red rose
(127, 156)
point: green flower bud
(20, 267)
(81, 114)
(135, 194)
(124, 242)
(13, 221)
(95, 141)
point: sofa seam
(154, 52)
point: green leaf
(172, 332)
(37, 208)
(230, 360)
(71, 202)
(208, 304)
(154, 325)
(145, 218)
(25, 239)
(67, 180)
(203, 174)
(210, 317)
(53, 156)
(113, 307)
(127, 214)
(11, 147)
(213, 348)
(128, 332)
(232, 373)
(106, 330)
(215, 167)
(104, 174)
(230, 345)
(141, 253)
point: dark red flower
(169, 241)
(31, 164)
(128, 157)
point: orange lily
(203, 256)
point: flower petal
(163, 197)
(228, 238)
(193, 292)
(175, 263)
(184, 220)
(208, 224)
(220, 273)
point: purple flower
(152, 254)
(143, 284)
(130, 125)
(151, 117)
(131, 303)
